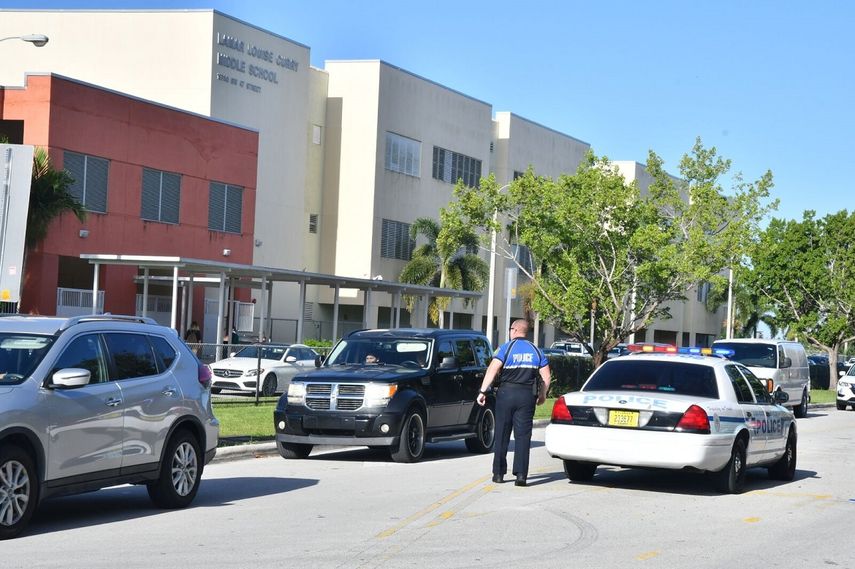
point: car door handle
(479, 376)
(458, 377)
(748, 414)
(169, 391)
(113, 402)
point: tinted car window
(666, 376)
(482, 350)
(465, 355)
(164, 350)
(743, 391)
(132, 355)
(84, 352)
(756, 355)
(444, 351)
(761, 394)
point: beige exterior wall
(155, 55)
(519, 144)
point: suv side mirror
(786, 362)
(780, 397)
(70, 378)
(319, 360)
(449, 362)
(841, 374)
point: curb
(262, 450)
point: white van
(782, 361)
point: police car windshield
(19, 356)
(752, 355)
(665, 376)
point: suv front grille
(347, 397)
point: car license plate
(623, 418)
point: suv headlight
(379, 394)
(253, 372)
(296, 393)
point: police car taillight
(694, 420)
(560, 412)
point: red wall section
(63, 114)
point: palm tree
(49, 198)
(445, 262)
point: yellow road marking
(647, 555)
(793, 495)
(751, 520)
(425, 511)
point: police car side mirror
(449, 362)
(780, 397)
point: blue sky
(768, 83)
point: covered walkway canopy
(189, 271)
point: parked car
(674, 411)
(393, 389)
(783, 362)
(553, 352)
(617, 351)
(571, 348)
(279, 363)
(96, 401)
(846, 389)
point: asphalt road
(355, 508)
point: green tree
(597, 239)
(49, 198)
(446, 260)
(806, 269)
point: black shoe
(520, 481)
(498, 478)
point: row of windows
(161, 193)
(403, 154)
(451, 166)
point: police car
(682, 409)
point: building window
(90, 180)
(518, 174)
(313, 223)
(451, 166)
(161, 196)
(703, 291)
(395, 240)
(523, 256)
(316, 134)
(225, 206)
(403, 154)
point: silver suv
(95, 401)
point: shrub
(568, 374)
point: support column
(221, 299)
(145, 292)
(366, 307)
(396, 300)
(190, 318)
(184, 324)
(95, 288)
(301, 312)
(173, 317)
(451, 314)
(536, 329)
(270, 310)
(263, 308)
(335, 316)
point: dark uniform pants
(514, 409)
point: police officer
(520, 364)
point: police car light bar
(722, 352)
(652, 348)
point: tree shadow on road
(131, 502)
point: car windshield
(752, 355)
(664, 376)
(381, 351)
(267, 352)
(20, 354)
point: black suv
(394, 389)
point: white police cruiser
(685, 409)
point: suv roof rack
(105, 317)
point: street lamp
(491, 286)
(38, 40)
